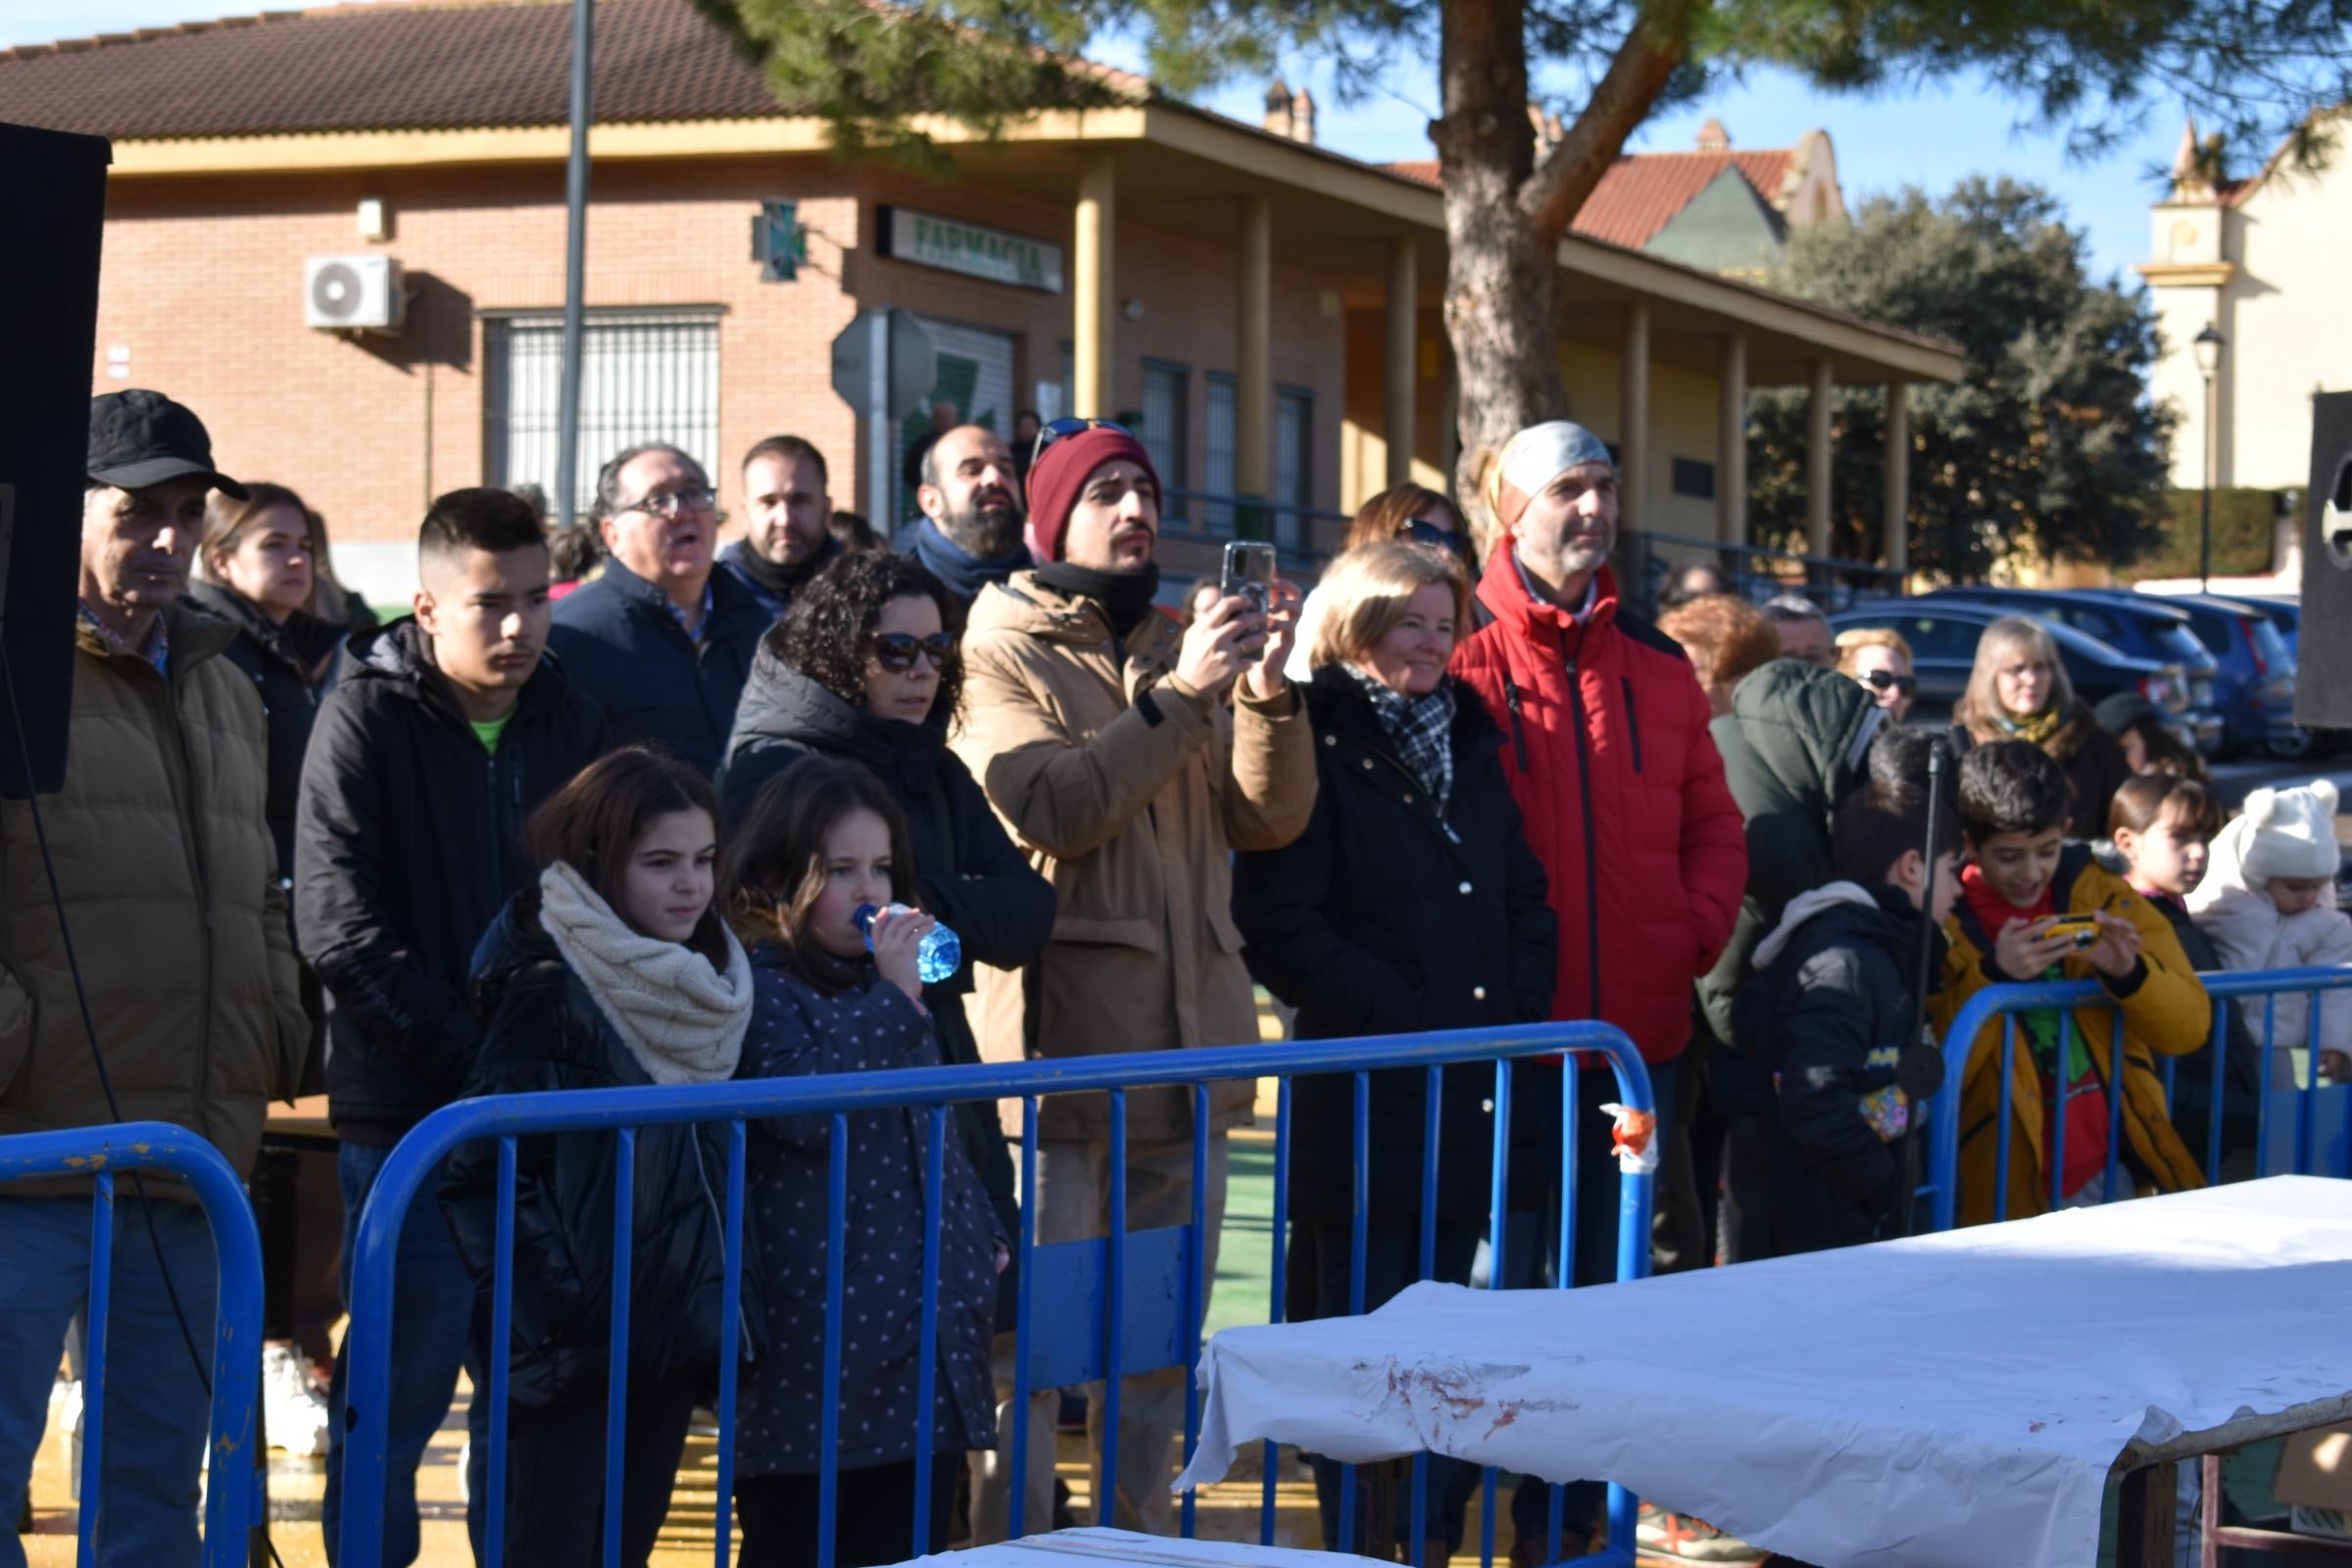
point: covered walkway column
(1894, 505)
(1399, 358)
(1092, 293)
(1731, 444)
(1254, 393)
(1633, 419)
(1818, 462)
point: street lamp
(2208, 346)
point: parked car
(2138, 625)
(2254, 672)
(1944, 634)
(2287, 615)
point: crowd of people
(700, 817)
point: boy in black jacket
(445, 731)
(1832, 1008)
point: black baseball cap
(139, 438)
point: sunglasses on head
(1880, 680)
(1429, 533)
(897, 650)
(1047, 434)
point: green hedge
(2243, 531)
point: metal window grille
(1219, 455)
(645, 376)
(1294, 466)
(1166, 388)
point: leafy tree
(2257, 68)
(2049, 442)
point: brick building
(1267, 309)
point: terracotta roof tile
(1641, 192)
(386, 67)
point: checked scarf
(1422, 730)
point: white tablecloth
(1124, 1548)
(1950, 1399)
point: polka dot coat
(799, 1030)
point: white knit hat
(2292, 832)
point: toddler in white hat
(2268, 902)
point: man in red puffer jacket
(1625, 802)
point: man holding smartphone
(1099, 731)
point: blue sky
(1931, 137)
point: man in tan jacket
(1104, 738)
(172, 891)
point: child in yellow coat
(2021, 881)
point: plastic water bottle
(937, 956)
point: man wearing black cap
(169, 884)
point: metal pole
(576, 246)
(2205, 499)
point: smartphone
(2083, 930)
(1250, 574)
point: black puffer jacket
(1791, 748)
(624, 646)
(408, 843)
(541, 1030)
(1829, 1014)
(1384, 917)
(971, 878)
(278, 661)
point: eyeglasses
(1429, 533)
(1047, 436)
(896, 650)
(1880, 680)
(670, 503)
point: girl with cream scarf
(615, 970)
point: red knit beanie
(1061, 472)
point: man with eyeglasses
(663, 641)
(969, 534)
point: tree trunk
(1505, 216)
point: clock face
(2185, 238)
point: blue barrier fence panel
(1138, 1295)
(235, 1341)
(2307, 1116)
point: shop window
(645, 376)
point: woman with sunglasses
(864, 667)
(1409, 511)
(1880, 661)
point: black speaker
(2323, 649)
(52, 215)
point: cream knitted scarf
(683, 1020)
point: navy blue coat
(623, 644)
(1829, 1018)
(798, 1030)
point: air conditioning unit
(352, 293)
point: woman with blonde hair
(1412, 901)
(1400, 511)
(2019, 691)
(1879, 659)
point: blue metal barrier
(1141, 1330)
(2005, 1002)
(98, 1153)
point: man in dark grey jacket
(446, 730)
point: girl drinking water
(818, 844)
